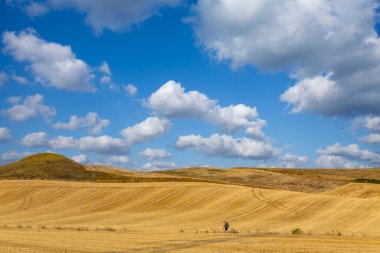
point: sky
(162, 84)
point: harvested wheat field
(56, 216)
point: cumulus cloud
(371, 138)
(330, 48)
(105, 80)
(131, 89)
(36, 140)
(41, 140)
(332, 161)
(146, 130)
(235, 117)
(63, 142)
(79, 158)
(91, 121)
(13, 156)
(105, 69)
(35, 9)
(119, 15)
(5, 134)
(103, 145)
(31, 106)
(31, 8)
(227, 146)
(372, 124)
(51, 63)
(116, 160)
(172, 101)
(350, 156)
(154, 154)
(154, 166)
(293, 161)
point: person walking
(226, 226)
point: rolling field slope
(167, 208)
(357, 191)
(301, 180)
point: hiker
(226, 226)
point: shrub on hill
(53, 166)
(368, 181)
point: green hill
(58, 167)
(53, 166)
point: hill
(176, 205)
(58, 167)
(357, 191)
(301, 180)
(52, 166)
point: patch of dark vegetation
(297, 231)
(107, 229)
(367, 181)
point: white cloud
(171, 100)
(146, 130)
(370, 122)
(154, 154)
(91, 121)
(19, 79)
(31, 106)
(255, 131)
(371, 138)
(31, 8)
(116, 160)
(13, 156)
(35, 9)
(154, 166)
(105, 69)
(51, 63)
(332, 161)
(36, 140)
(306, 38)
(79, 158)
(103, 145)
(131, 89)
(63, 142)
(105, 80)
(349, 156)
(235, 117)
(227, 146)
(119, 15)
(306, 94)
(293, 161)
(5, 134)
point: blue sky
(160, 84)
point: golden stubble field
(56, 216)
